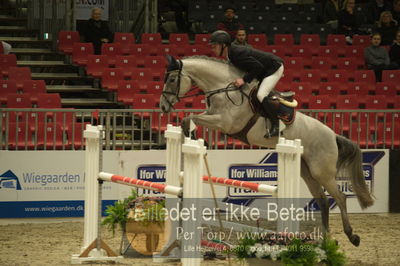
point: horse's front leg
(207, 120)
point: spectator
(394, 52)
(375, 8)
(396, 10)
(230, 24)
(6, 47)
(347, 20)
(387, 27)
(330, 13)
(241, 38)
(377, 57)
(97, 31)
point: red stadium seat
(391, 75)
(125, 40)
(178, 38)
(155, 87)
(80, 52)
(49, 136)
(155, 62)
(15, 100)
(49, 100)
(294, 63)
(328, 51)
(96, 64)
(339, 75)
(257, 39)
(330, 88)
(361, 135)
(144, 101)
(19, 74)
(66, 40)
(110, 78)
(386, 88)
(283, 39)
(201, 39)
(310, 75)
(126, 95)
(34, 88)
(310, 39)
(301, 51)
(321, 102)
(128, 63)
(111, 50)
(364, 76)
(191, 50)
(359, 88)
(355, 51)
(76, 140)
(142, 74)
(322, 63)
(19, 136)
(7, 61)
(361, 40)
(139, 50)
(390, 135)
(349, 63)
(151, 38)
(336, 40)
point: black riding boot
(271, 111)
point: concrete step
(72, 102)
(70, 88)
(57, 76)
(16, 39)
(31, 51)
(41, 63)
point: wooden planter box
(149, 233)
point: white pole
(193, 151)
(173, 136)
(289, 162)
(92, 164)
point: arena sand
(51, 242)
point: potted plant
(273, 249)
(137, 215)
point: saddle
(283, 102)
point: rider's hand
(239, 82)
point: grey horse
(325, 153)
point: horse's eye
(172, 80)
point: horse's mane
(214, 59)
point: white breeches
(6, 47)
(268, 83)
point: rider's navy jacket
(257, 64)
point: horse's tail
(350, 159)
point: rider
(263, 66)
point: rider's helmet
(220, 37)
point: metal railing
(52, 16)
(62, 129)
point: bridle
(176, 91)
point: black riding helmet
(220, 37)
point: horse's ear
(173, 64)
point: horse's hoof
(355, 240)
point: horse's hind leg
(318, 194)
(340, 199)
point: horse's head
(176, 84)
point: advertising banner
(83, 8)
(51, 183)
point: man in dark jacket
(230, 24)
(265, 67)
(97, 31)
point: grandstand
(52, 83)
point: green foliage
(146, 210)
(118, 213)
(299, 253)
(333, 256)
(241, 250)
